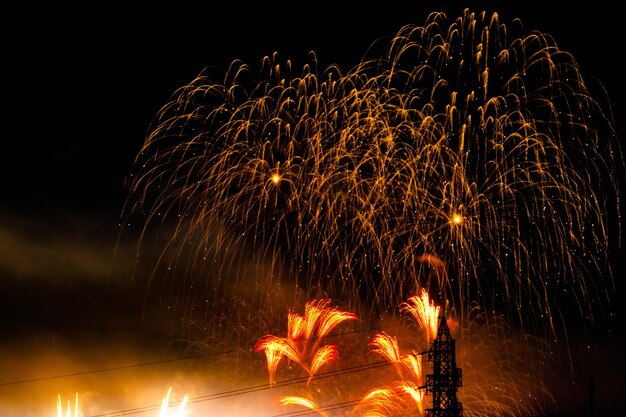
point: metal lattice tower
(443, 383)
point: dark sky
(80, 88)
(81, 91)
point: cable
(139, 365)
(255, 388)
(118, 368)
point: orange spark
(180, 412)
(386, 346)
(381, 402)
(414, 392)
(312, 313)
(323, 356)
(413, 363)
(305, 402)
(425, 313)
(295, 326)
(317, 322)
(275, 349)
(331, 318)
(69, 408)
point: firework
(305, 402)
(387, 347)
(68, 409)
(502, 370)
(471, 141)
(410, 382)
(180, 412)
(305, 333)
(425, 313)
(380, 402)
(275, 349)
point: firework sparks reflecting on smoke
(500, 370)
(466, 139)
(464, 158)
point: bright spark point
(457, 218)
(275, 178)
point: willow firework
(463, 156)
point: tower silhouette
(445, 380)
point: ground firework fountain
(68, 409)
(464, 158)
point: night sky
(80, 91)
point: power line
(235, 392)
(164, 361)
(257, 388)
(118, 368)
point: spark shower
(465, 156)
